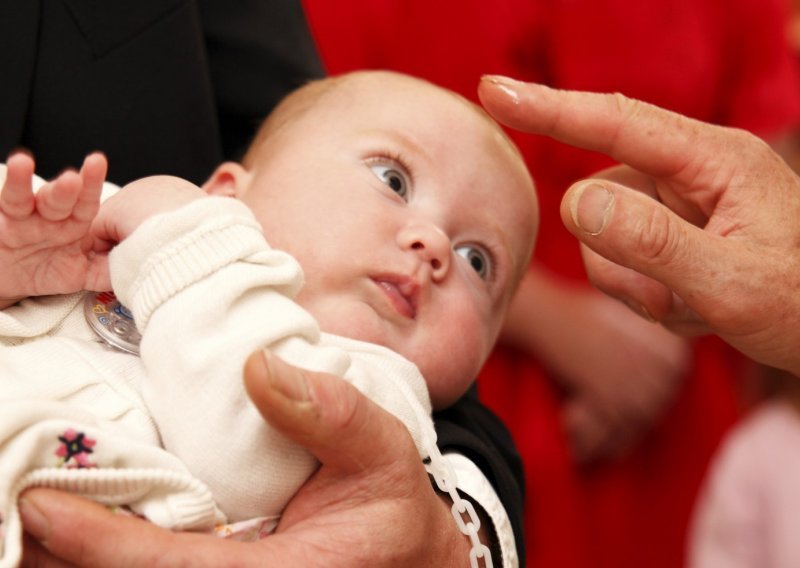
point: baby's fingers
(16, 197)
(74, 194)
(93, 174)
(56, 200)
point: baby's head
(411, 212)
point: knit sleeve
(206, 291)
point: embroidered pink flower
(75, 449)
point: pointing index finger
(645, 137)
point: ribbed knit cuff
(173, 250)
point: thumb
(635, 231)
(327, 415)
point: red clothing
(723, 61)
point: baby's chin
(445, 393)
(448, 375)
(448, 370)
(359, 322)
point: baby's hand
(45, 245)
(121, 214)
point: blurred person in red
(580, 379)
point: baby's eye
(477, 259)
(393, 177)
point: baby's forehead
(447, 114)
(450, 131)
(473, 140)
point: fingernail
(591, 208)
(505, 85)
(35, 523)
(288, 380)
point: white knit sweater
(206, 290)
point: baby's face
(411, 217)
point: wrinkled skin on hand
(697, 230)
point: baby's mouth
(401, 292)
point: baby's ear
(228, 180)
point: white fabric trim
(472, 482)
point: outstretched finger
(93, 174)
(648, 138)
(16, 198)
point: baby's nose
(431, 244)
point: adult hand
(698, 231)
(370, 503)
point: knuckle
(746, 140)
(753, 149)
(629, 109)
(625, 105)
(631, 112)
(346, 409)
(656, 238)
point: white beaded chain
(446, 480)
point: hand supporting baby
(370, 503)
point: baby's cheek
(466, 343)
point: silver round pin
(112, 321)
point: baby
(413, 218)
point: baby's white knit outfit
(172, 433)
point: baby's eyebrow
(404, 139)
